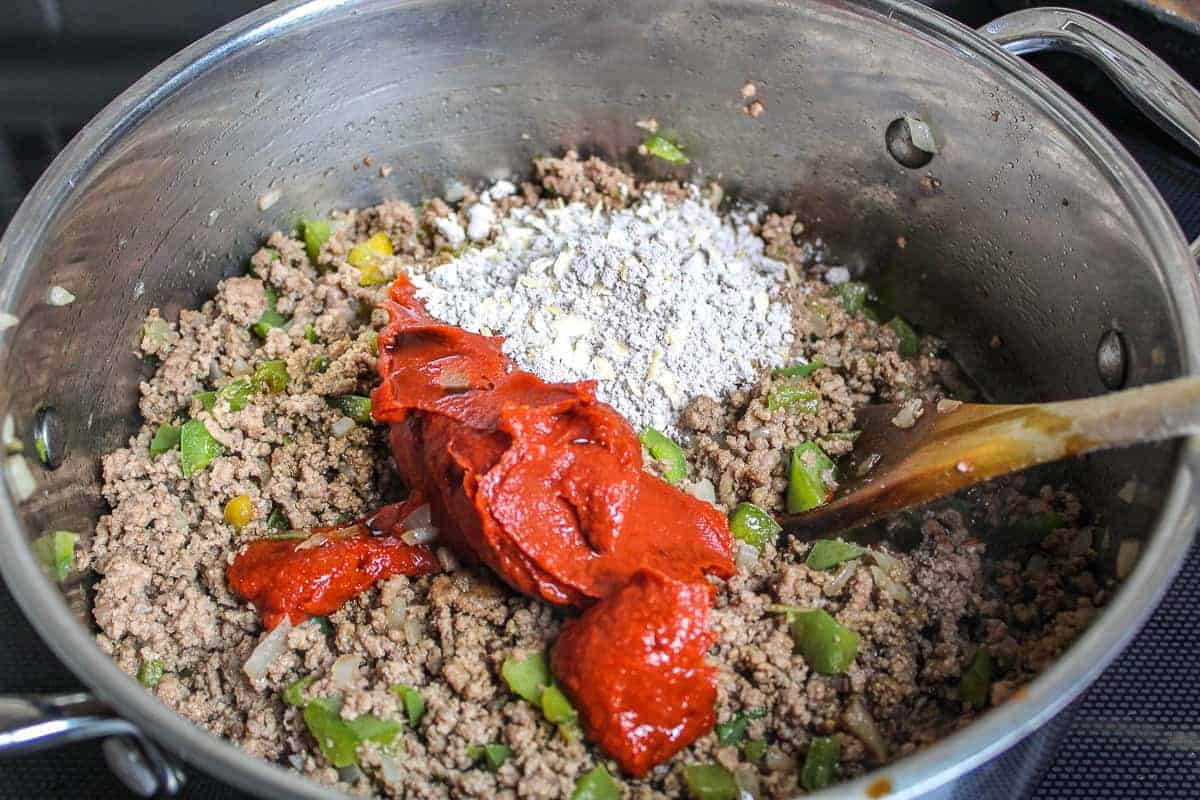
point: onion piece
(58, 296)
(703, 489)
(393, 773)
(746, 778)
(8, 320)
(20, 479)
(416, 536)
(747, 557)
(859, 722)
(421, 517)
(892, 588)
(446, 558)
(397, 613)
(887, 562)
(1127, 555)
(843, 576)
(342, 426)
(269, 199)
(344, 673)
(271, 647)
(921, 134)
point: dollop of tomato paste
(634, 667)
(317, 575)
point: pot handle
(29, 723)
(1148, 81)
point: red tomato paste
(634, 667)
(317, 575)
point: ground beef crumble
(161, 552)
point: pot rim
(929, 768)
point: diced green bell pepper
(793, 398)
(315, 233)
(414, 704)
(827, 553)
(798, 370)
(56, 551)
(807, 473)
(828, 646)
(272, 376)
(207, 400)
(854, 296)
(596, 784)
(709, 781)
(166, 437)
(733, 731)
(356, 407)
(293, 694)
(910, 342)
(270, 317)
(236, 393)
(820, 762)
(665, 450)
(663, 148)
(150, 673)
(753, 525)
(754, 750)
(493, 756)
(527, 677)
(197, 447)
(976, 683)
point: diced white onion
(58, 296)
(397, 613)
(887, 562)
(1127, 555)
(20, 479)
(342, 426)
(393, 773)
(8, 321)
(9, 431)
(420, 535)
(344, 673)
(703, 489)
(893, 589)
(921, 134)
(446, 558)
(859, 722)
(843, 576)
(747, 557)
(413, 630)
(269, 199)
(746, 778)
(271, 647)
(421, 517)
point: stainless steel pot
(1031, 227)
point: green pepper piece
(318, 364)
(819, 764)
(207, 400)
(492, 755)
(910, 342)
(56, 551)
(277, 520)
(1031, 530)
(976, 683)
(197, 447)
(734, 730)
(798, 370)
(663, 449)
(853, 295)
(272, 376)
(166, 437)
(356, 407)
(336, 741)
(293, 695)
(596, 784)
(754, 750)
(236, 393)
(373, 341)
(150, 672)
(556, 707)
(843, 436)
(414, 704)
(315, 233)
(665, 149)
(310, 334)
(828, 646)
(527, 677)
(709, 781)
(827, 553)
(368, 727)
(270, 317)
(807, 473)
(753, 525)
(793, 398)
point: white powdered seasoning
(659, 303)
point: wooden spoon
(894, 467)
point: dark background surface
(1136, 733)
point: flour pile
(661, 303)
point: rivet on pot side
(49, 441)
(900, 144)
(1112, 360)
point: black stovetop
(1136, 733)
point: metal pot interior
(1022, 242)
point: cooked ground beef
(921, 614)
